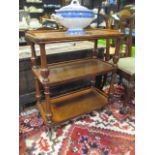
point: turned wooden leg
(94, 55)
(48, 109)
(114, 72)
(107, 54)
(34, 65)
(130, 89)
(38, 92)
(44, 67)
(45, 74)
(95, 49)
(33, 56)
(111, 89)
(96, 80)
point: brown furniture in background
(126, 63)
(64, 107)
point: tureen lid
(74, 6)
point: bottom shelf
(74, 104)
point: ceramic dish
(74, 17)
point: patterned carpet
(101, 132)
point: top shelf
(51, 36)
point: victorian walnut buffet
(67, 106)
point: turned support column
(48, 108)
(44, 67)
(38, 92)
(33, 56)
(94, 55)
(114, 73)
(95, 49)
(45, 74)
(34, 65)
(107, 55)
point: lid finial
(75, 2)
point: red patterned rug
(83, 140)
(98, 133)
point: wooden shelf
(72, 70)
(40, 37)
(74, 104)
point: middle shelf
(73, 70)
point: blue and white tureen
(74, 17)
